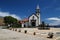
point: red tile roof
(24, 20)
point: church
(33, 20)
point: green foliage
(16, 25)
(11, 21)
(44, 26)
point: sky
(20, 9)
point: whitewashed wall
(35, 18)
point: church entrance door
(33, 22)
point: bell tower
(38, 14)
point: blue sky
(50, 9)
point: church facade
(33, 20)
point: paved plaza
(6, 34)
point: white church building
(33, 20)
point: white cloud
(54, 21)
(3, 14)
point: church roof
(24, 20)
(36, 15)
(27, 19)
(33, 14)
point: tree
(10, 20)
(43, 25)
